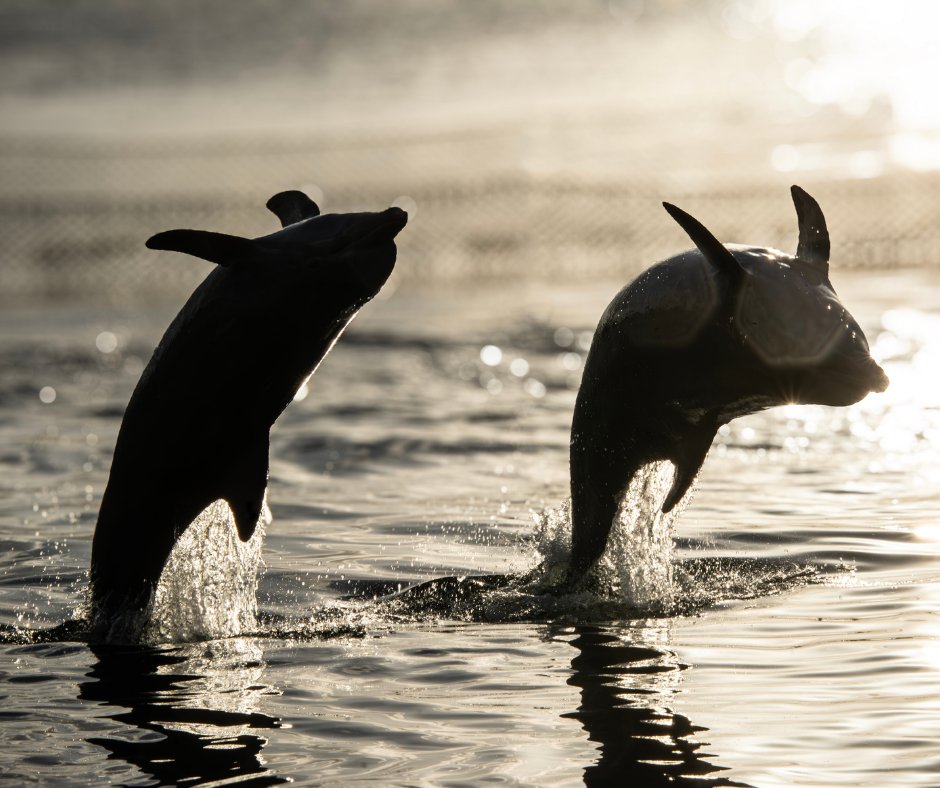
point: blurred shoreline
(75, 215)
(528, 141)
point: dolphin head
(353, 251)
(290, 293)
(805, 344)
(360, 246)
(790, 337)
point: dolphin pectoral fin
(292, 207)
(246, 511)
(245, 488)
(813, 246)
(714, 250)
(688, 461)
(685, 476)
(217, 248)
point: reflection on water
(191, 713)
(805, 568)
(626, 689)
(199, 701)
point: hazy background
(529, 140)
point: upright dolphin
(695, 341)
(196, 427)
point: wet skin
(695, 341)
(196, 427)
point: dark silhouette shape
(196, 427)
(622, 711)
(195, 745)
(694, 342)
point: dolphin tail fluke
(688, 461)
(217, 248)
(292, 207)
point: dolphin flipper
(217, 248)
(688, 458)
(292, 207)
(245, 486)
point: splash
(551, 542)
(633, 578)
(637, 566)
(209, 585)
(638, 563)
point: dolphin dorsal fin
(714, 250)
(292, 207)
(813, 246)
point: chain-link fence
(74, 215)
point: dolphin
(695, 341)
(196, 427)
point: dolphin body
(695, 341)
(196, 427)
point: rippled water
(793, 638)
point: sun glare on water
(905, 419)
(873, 62)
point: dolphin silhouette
(695, 341)
(196, 427)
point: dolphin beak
(380, 228)
(396, 218)
(879, 378)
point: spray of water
(637, 567)
(551, 542)
(638, 563)
(209, 586)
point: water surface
(431, 443)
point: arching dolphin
(196, 427)
(696, 341)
